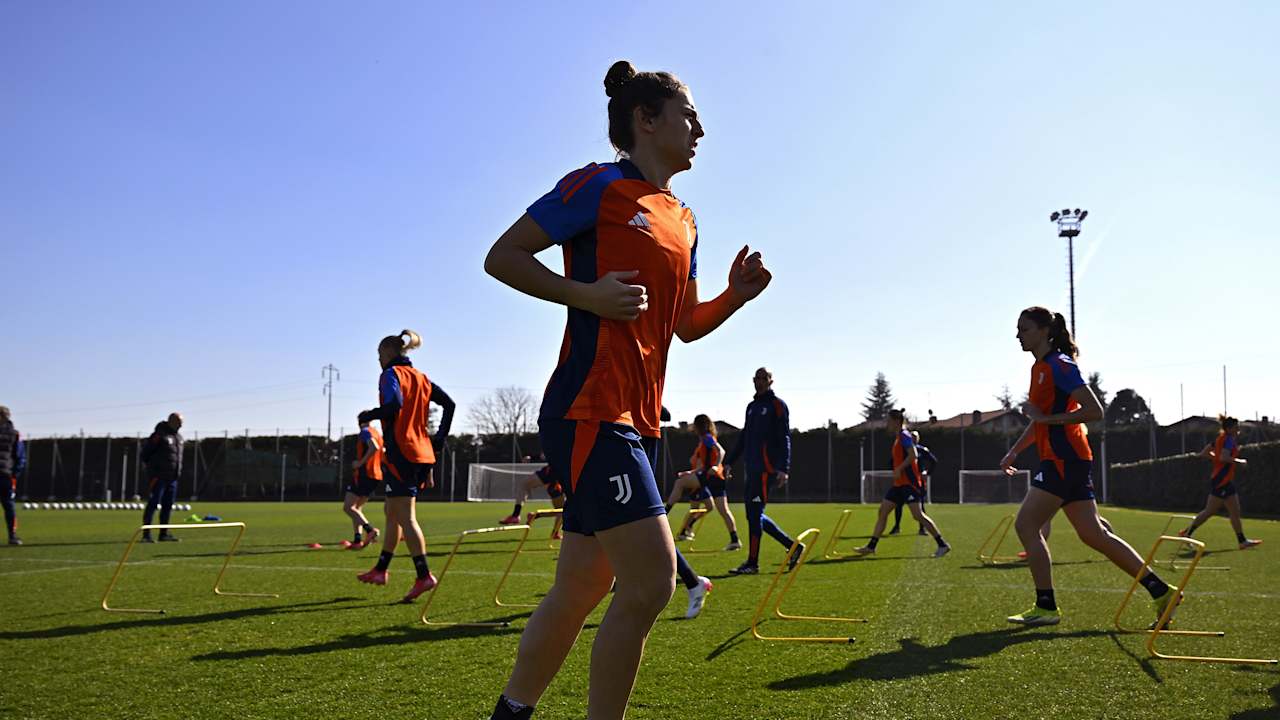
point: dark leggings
(10, 510)
(757, 524)
(162, 493)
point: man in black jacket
(163, 457)
(12, 459)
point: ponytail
(1060, 339)
(899, 415)
(404, 342)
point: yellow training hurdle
(533, 516)
(812, 534)
(698, 515)
(217, 584)
(1162, 624)
(998, 533)
(1172, 563)
(440, 579)
(830, 552)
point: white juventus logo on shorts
(624, 488)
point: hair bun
(620, 73)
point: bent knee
(647, 596)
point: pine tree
(879, 400)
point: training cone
(315, 546)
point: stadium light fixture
(1069, 222)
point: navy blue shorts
(1072, 484)
(903, 494)
(361, 484)
(1224, 491)
(610, 473)
(404, 478)
(712, 486)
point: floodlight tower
(1069, 222)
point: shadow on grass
(1261, 713)
(150, 621)
(1143, 662)
(729, 643)
(399, 634)
(912, 659)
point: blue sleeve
(905, 439)
(708, 442)
(1229, 444)
(571, 208)
(1066, 374)
(389, 392)
(20, 455)
(693, 254)
(366, 436)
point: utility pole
(1069, 227)
(329, 373)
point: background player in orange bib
(366, 473)
(1224, 451)
(548, 478)
(705, 482)
(907, 488)
(630, 286)
(1060, 404)
(404, 392)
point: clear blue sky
(202, 204)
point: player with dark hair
(926, 460)
(630, 286)
(1060, 404)
(906, 488)
(162, 454)
(366, 473)
(1225, 454)
(705, 482)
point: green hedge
(1182, 482)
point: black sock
(685, 571)
(1044, 599)
(1191, 529)
(368, 527)
(733, 537)
(873, 542)
(508, 709)
(357, 537)
(1240, 537)
(420, 565)
(668, 507)
(384, 561)
(516, 510)
(940, 541)
(1154, 585)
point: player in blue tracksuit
(13, 459)
(765, 446)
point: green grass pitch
(938, 646)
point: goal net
(499, 481)
(875, 483)
(993, 486)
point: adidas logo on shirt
(756, 499)
(640, 221)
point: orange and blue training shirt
(608, 218)
(370, 437)
(403, 385)
(708, 456)
(1053, 378)
(902, 445)
(1225, 450)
